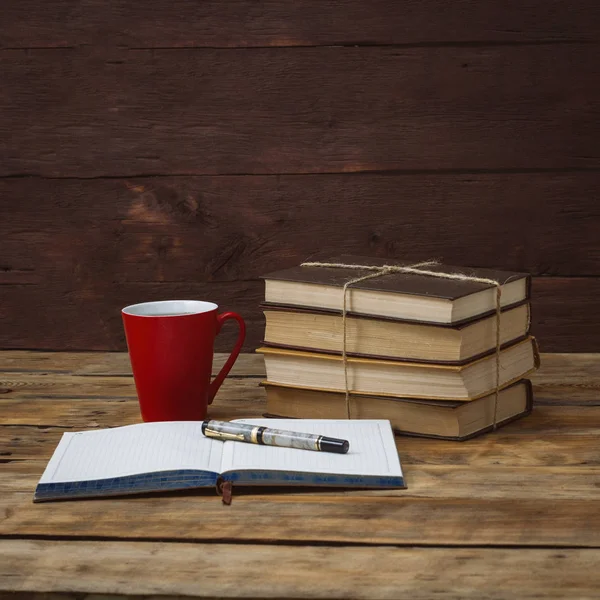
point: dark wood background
(153, 150)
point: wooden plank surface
(30, 23)
(39, 386)
(333, 110)
(236, 228)
(30, 407)
(569, 371)
(481, 109)
(89, 313)
(171, 237)
(524, 489)
(70, 303)
(113, 364)
(477, 109)
(26, 377)
(52, 386)
(265, 517)
(505, 448)
(161, 570)
(426, 480)
(566, 370)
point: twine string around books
(416, 269)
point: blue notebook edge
(131, 484)
(285, 478)
(192, 479)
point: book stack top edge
(405, 283)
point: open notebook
(152, 457)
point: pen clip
(223, 435)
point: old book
(395, 378)
(399, 295)
(431, 418)
(174, 455)
(386, 338)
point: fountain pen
(253, 434)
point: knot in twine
(416, 269)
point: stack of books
(421, 351)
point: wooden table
(511, 514)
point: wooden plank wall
(151, 150)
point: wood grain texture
(298, 110)
(507, 447)
(426, 481)
(365, 519)
(112, 389)
(161, 570)
(68, 407)
(529, 491)
(98, 245)
(200, 145)
(567, 371)
(115, 364)
(243, 23)
(225, 229)
(556, 301)
(88, 311)
(69, 305)
(32, 402)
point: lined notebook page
(372, 449)
(131, 450)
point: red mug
(171, 346)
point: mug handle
(215, 384)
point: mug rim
(183, 308)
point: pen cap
(328, 444)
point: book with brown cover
(424, 418)
(387, 338)
(454, 301)
(370, 376)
